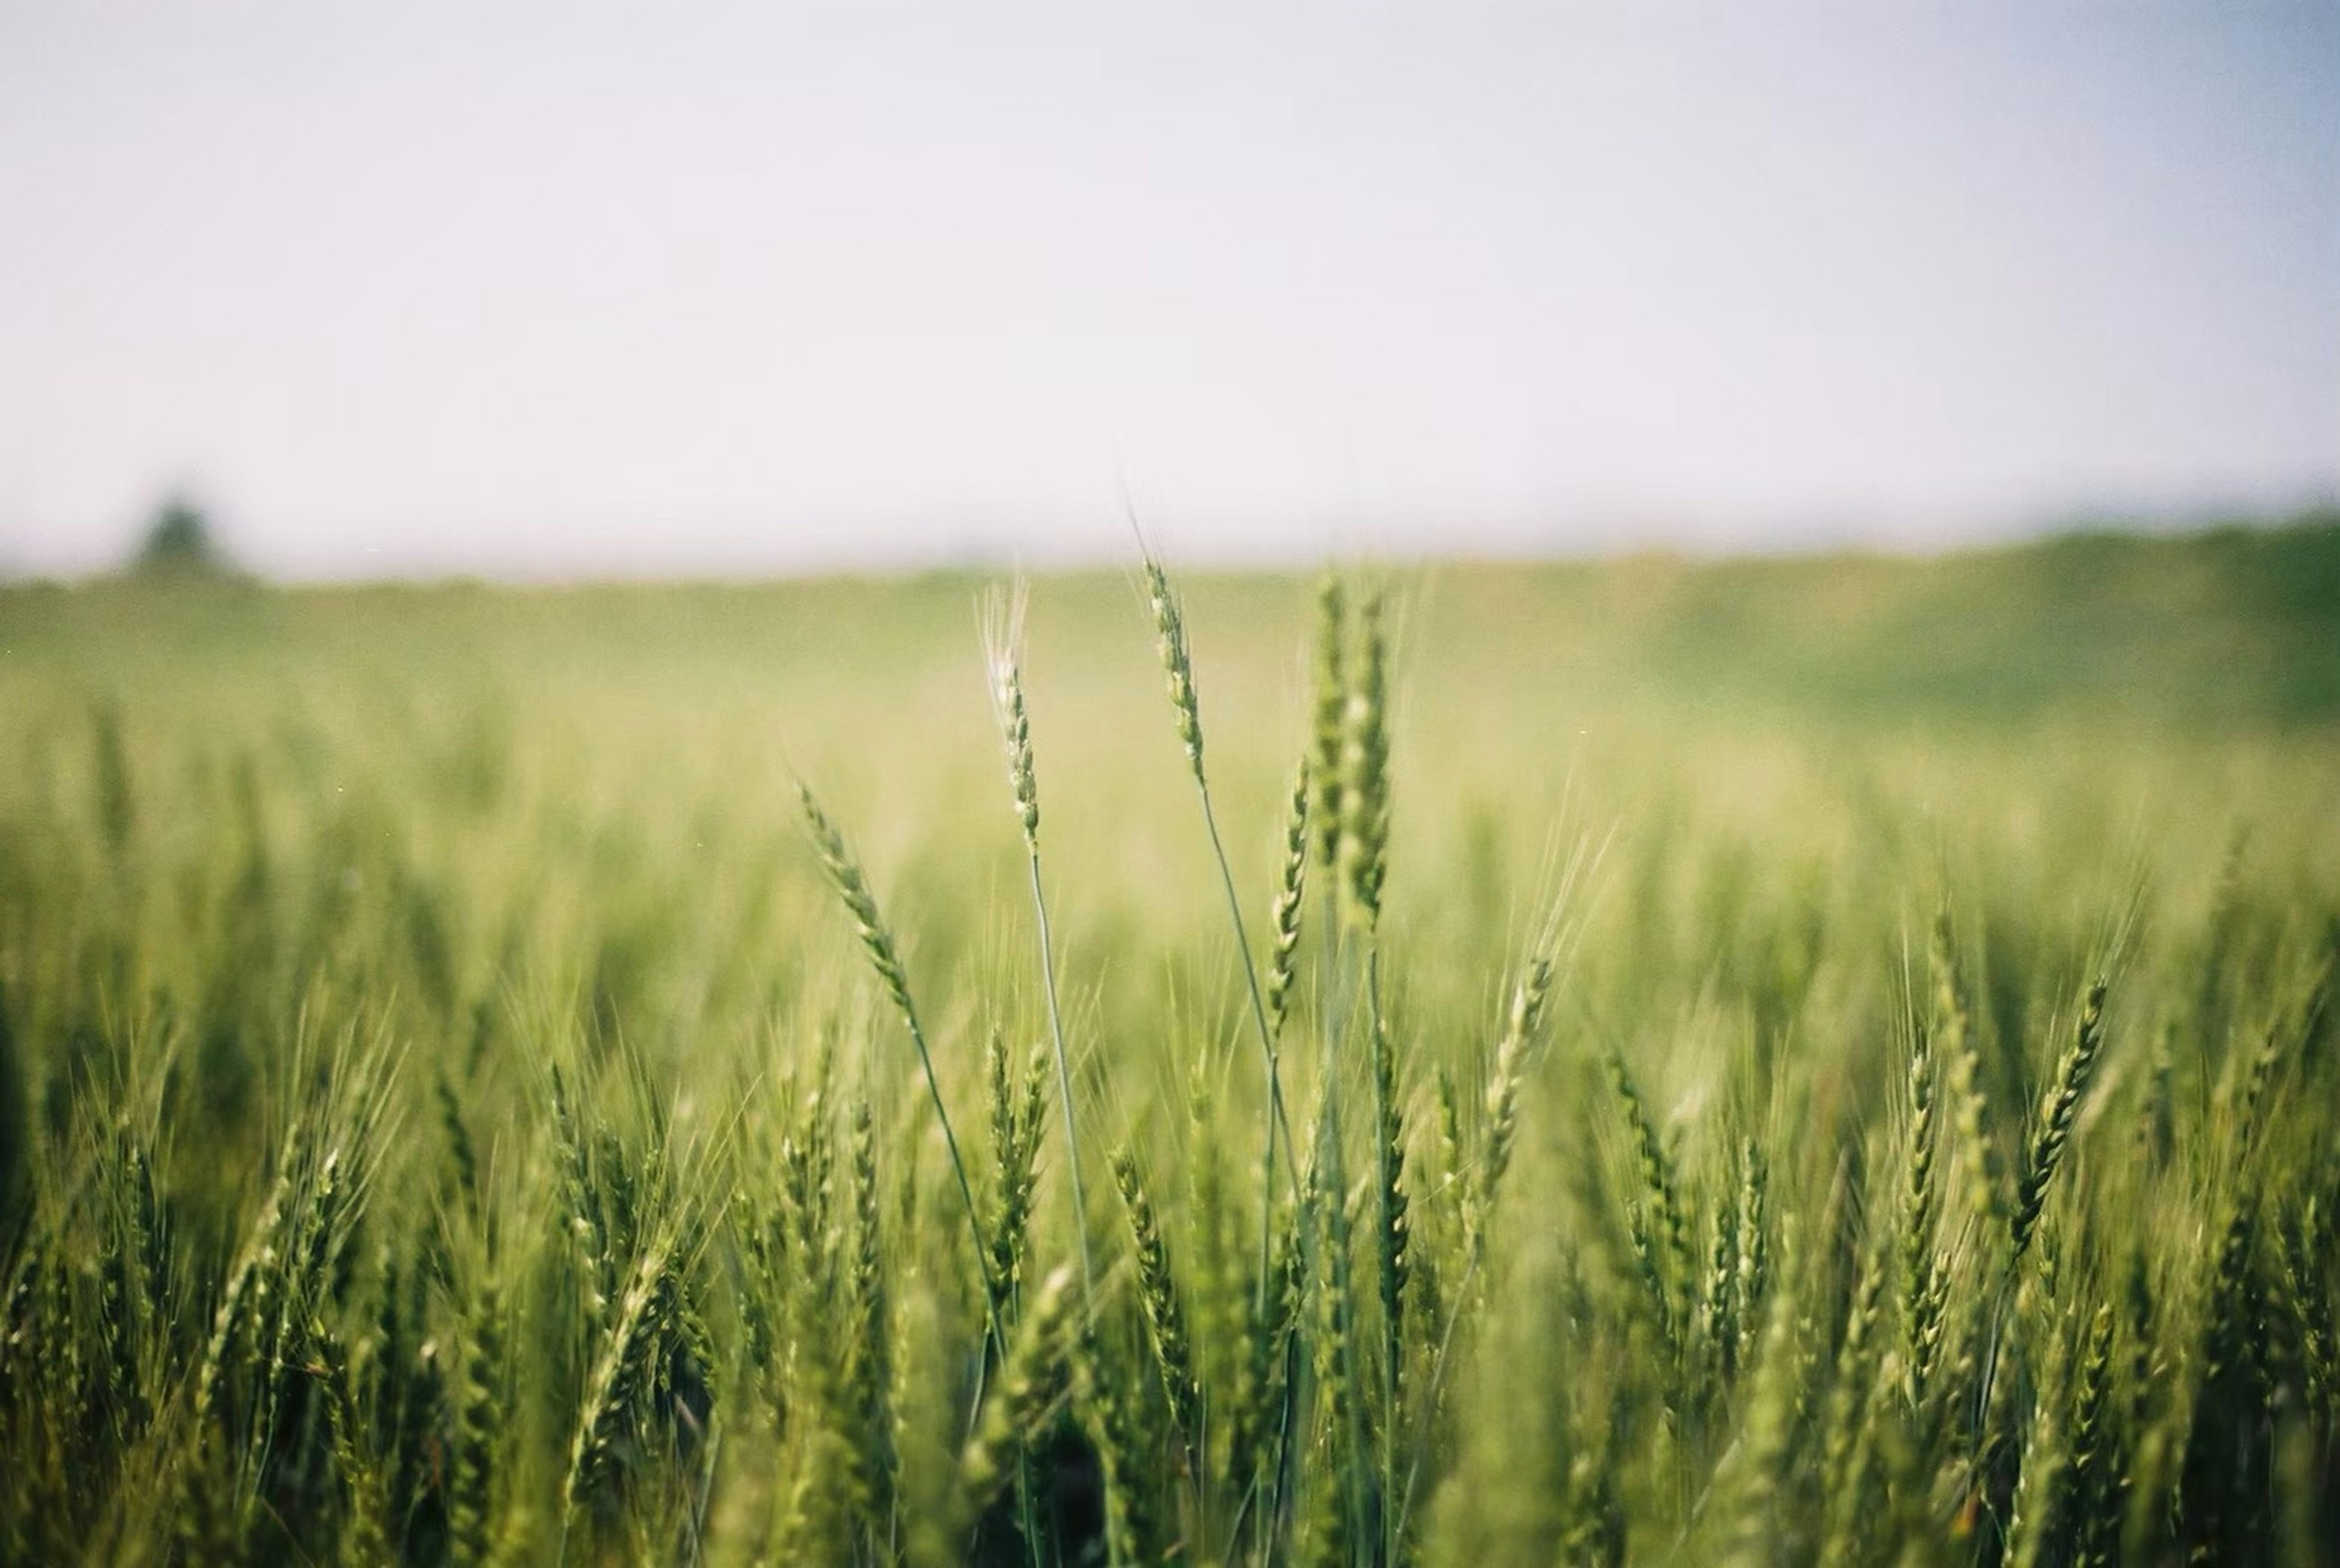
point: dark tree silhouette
(179, 543)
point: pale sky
(561, 289)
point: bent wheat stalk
(1179, 667)
(877, 941)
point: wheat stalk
(1003, 637)
(2057, 1110)
(877, 941)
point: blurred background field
(2108, 685)
(603, 774)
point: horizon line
(2170, 524)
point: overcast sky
(562, 289)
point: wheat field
(1797, 1061)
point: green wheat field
(1821, 1060)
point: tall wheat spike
(1003, 637)
(2057, 1110)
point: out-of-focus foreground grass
(447, 1115)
